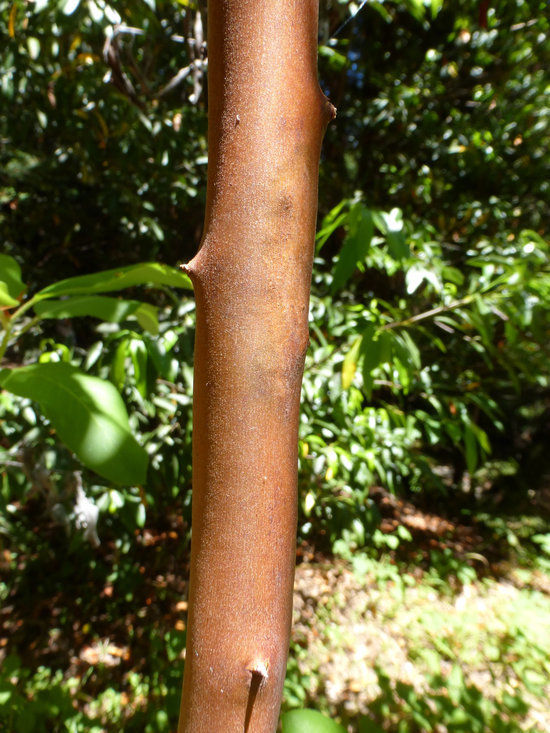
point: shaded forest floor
(448, 621)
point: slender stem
(29, 325)
(7, 323)
(428, 314)
(26, 306)
(4, 342)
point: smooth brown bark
(251, 276)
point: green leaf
(138, 354)
(331, 222)
(12, 286)
(543, 540)
(349, 367)
(159, 351)
(403, 373)
(141, 515)
(356, 245)
(117, 372)
(481, 437)
(309, 721)
(372, 348)
(88, 415)
(337, 61)
(108, 309)
(146, 316)
(397, 246)
(410, 348)
(391, 224)
(5, 297)
(406, 358)
(416, 9)
(455, 684)
(436, 6)
(148, 273)
(453, 275)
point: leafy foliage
(89, 417)
(428, 367)
(87, 413)
(93, 169)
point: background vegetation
(424, 470)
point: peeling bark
(251, 277)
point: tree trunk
(251, 277)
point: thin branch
(348, 20)
(428, 314)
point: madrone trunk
(251, 277)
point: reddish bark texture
(251, 277)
